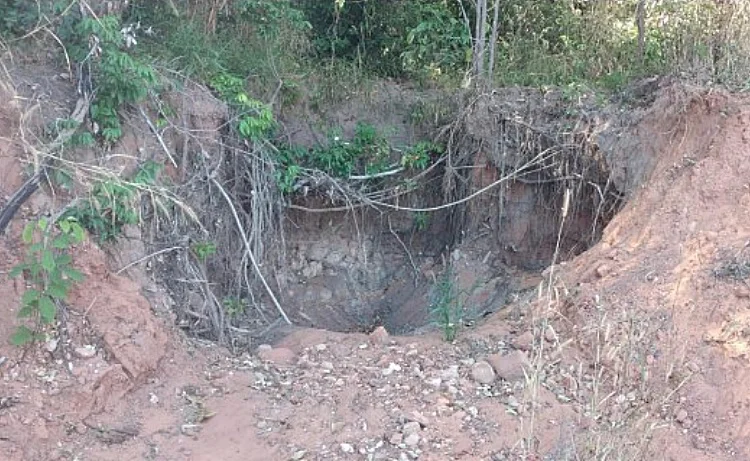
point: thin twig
(408, 253)
(149, 256)
(158, 136)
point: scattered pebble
(391, 368)
(411, 427)
(412, 440)
(85, 352)
(347, 448)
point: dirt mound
(665, 290)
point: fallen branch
(32, 184)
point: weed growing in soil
(203, 250)
(49, 272)
(234, 306)
(114, 204)
(446, 308)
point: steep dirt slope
(667, 284)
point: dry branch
(48, 153)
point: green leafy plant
(48, 271)
(114, 204)
(419, 156)
(255, 120)
(234, 306)
(203, 250)
(438, 44)
(421, 220)
(120, 77)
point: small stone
(524, 342)
(742, 292)
(411, 427)
(681, 415)
(513, 402)
(420, 418)
(509, 367)
(298, 455)
(321, 347)
(450, 374)
(483, 373)
(85, 352)
(603, 270)
(328, 366)
(154, 399)
(412, 440)
(391, 368)
(396, 439)
(277, 355)
(347, 448)
(434, 382)
(51, 345)
(379, 335)
(264, 348)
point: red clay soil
(639, 352)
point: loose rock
(412, 440)
(278, 355)
(483, 373)
(509, 367)
(411, 427)
(379, 335)
(524, 342)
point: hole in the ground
(511, 196)
(410, 273)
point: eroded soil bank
(634, 347)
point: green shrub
(119, 76)
(114, 204)
(48, 270)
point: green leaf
(27, 311)
(73, 274)
(63, 260)
(42, 223)
(47, 309)
(16, 271)
(58, 290)
(28, 234)
(30, 296)
(78, 234)
(48, 260)
(61, 242)
(64, 225)
(22, 336)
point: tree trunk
(493, 42)
(479, 38)
(640, 21)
